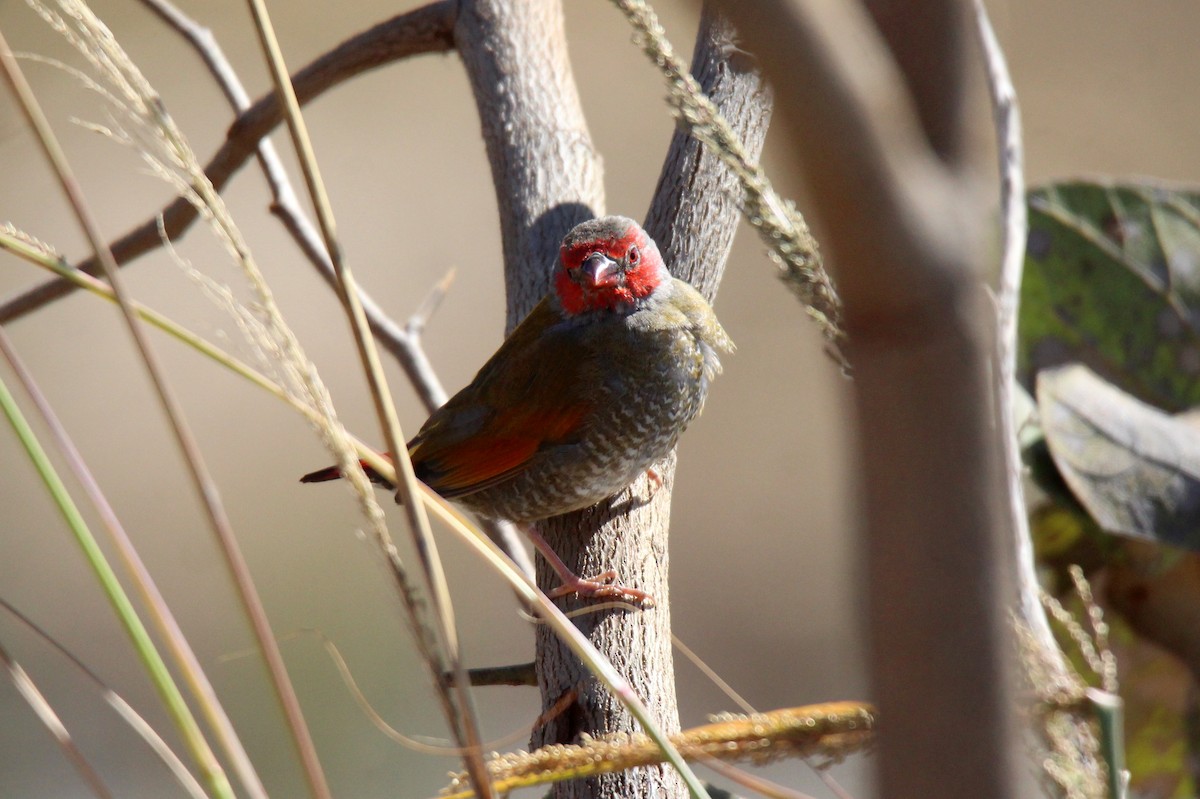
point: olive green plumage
(594, 386)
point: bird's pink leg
(602, 586)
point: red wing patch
(494, 454)
(473, 465)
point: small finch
(591, 388)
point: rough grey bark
(547, 173)
(903, 221)
(693, 217)
(547, 179)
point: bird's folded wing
(531, 395)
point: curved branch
(424, 30)
(402, 341)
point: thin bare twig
(401, 342)
(456, 699)
(1015, 228)
(395, 338)
(423, 30)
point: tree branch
(903, 225)
(424, 30)
(547, 174)
(689, 217)
(1014, 231)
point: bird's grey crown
(605, 227)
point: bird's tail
(335, 473)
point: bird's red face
(607, 264)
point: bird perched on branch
(591, 388)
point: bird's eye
(633, 256)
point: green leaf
(1135, 469)
(1112, 280)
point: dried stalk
(828, 732)
(457, 702)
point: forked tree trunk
(547, 179)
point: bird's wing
(532, 394)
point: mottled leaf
(1135, 469)
(1112, 280)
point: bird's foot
(602, 586)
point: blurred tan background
(763, 576)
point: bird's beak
(598, 270)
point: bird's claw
(603, 586)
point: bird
(592, 388)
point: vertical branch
(547, 174)
(694, 214)
(903, 222)
(1015, 229)
(547, 179)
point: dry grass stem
(28, 691)
(131, 717)
(440, 652)
(143, 582)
